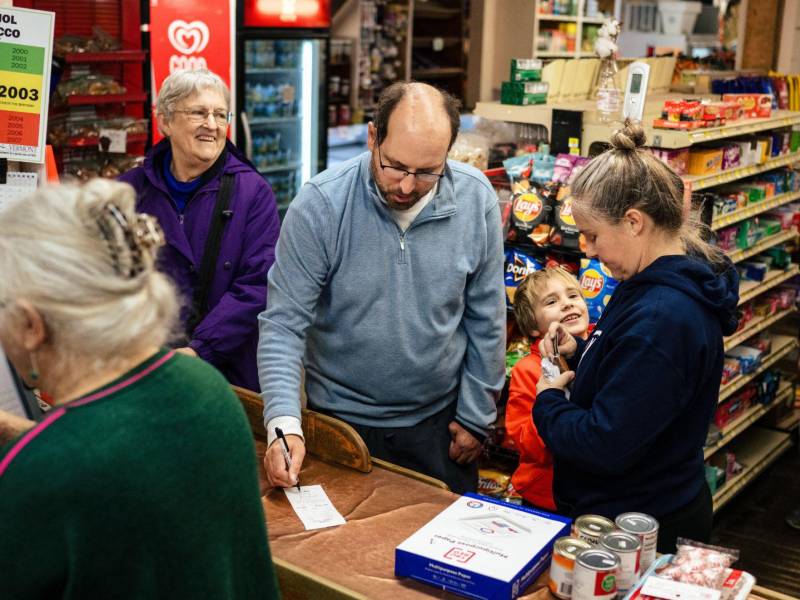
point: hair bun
(630, 137)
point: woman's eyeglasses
(200, 115)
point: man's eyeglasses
(398, 173)
(200, 115)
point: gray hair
(54, 253)
(184, 84)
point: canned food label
(605, 583)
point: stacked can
(591, 528)
(562, 565)
(595, 575)
(628, 549)
(645, 528)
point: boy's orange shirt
(533, 479)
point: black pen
(285, 451)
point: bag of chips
(564, 231)
(530, 212)
(597, 285)
(518, 266)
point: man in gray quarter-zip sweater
(388, 288)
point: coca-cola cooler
(282, 49)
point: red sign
(187, 34)
(287, 13)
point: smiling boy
(544, 297)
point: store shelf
(546, 54)
(782, 345)
(277, 168)
(593, 20)
(435, 12)
(790, 421)
(437, 73)
(116, 56)
(767, 242)
(757, 325)
(670, 138)
(753, 210)
(750, 289)
(273, 120)
(701, 182)
(756, 450)
(264, 70)
(86, 100)
(741, 423)
(92, 142)
(565, 18)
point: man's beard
(414, 196)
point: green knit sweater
(144, 489)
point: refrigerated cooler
(281, 75)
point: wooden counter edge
(298, 583)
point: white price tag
(118, 140)
(675, 590)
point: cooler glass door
(282, 107)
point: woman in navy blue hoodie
(646, 382)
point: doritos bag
(518, 266)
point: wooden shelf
(115, 56)
(757, 325)
(671, 138)
(753, 210)
(750, 289)
(747, 418)
(566, 54)
(701, 182)
(564, 18)
(755, 450)
(767, 242)
(782, 345)
(437, 73)
(87, 100)
(790, 421)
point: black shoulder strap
(211, 253)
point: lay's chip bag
(596, 285)
(518, 266)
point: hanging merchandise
(609, 93)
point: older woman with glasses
(220, 220)
(117, 492)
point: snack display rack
(100, 93)
(754, 447)
(757, 448)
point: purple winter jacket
(228, 335)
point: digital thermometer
(636, 91)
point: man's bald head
(419, 107)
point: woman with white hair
(140, 481)
(220, 220)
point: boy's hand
(567, 345)
(559, 383)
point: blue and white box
(481, 547)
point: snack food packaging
(565, 232)
(597, 285)
(530, 212)
(518, 266)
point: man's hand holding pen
(279, 474)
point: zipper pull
(402, 241)
(180, 218)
